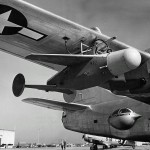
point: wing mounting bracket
(88, 48)
(66, 39)
(101, 45)
(82, 45)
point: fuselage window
(124, 111)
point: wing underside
(56, 105)
(41, 32)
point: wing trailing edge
(56, 105)
(72, 59)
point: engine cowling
(122, 61)
(123, 119)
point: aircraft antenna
(110, 40)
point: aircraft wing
(27, 29)
(61, 59)
(142, 97)
(56, 105)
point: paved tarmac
(84, 148)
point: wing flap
(56, 105)
(60, 59)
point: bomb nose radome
(132, 58)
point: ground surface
(85, 148)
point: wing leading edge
(56, 105)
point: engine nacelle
(123, 119)
(122, 61)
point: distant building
(142, 143)
(7, 138)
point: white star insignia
(4, 21)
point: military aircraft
(106, 142)
(97, 140)
(105, 83)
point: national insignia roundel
(13, 22)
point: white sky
(126, 19)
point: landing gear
(99, 47)
(113, 146)
(94, 147)
(133, 146)
(102, 47)
(105, 147)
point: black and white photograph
(75, 74)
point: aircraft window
(121, 111)
(115, 112)
(124, 111)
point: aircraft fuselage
(95, 121)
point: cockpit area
(121, 112)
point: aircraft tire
(94, 147)
(105, 147)
(133, 146)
